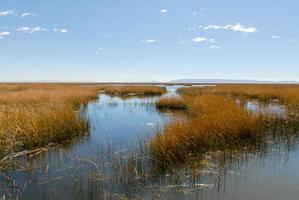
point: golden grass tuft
(33, 115)
(213, 122)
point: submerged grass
(33, 115)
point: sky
(148, 40)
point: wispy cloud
(30, 30)
(233, 27)
(24, 15)
(210, 41)
(5, 33)
(195, 13)
(16, 13)
(199, 40)
(61, 30)
(240, 28)
(215, 47)
(293, 40)
(150, 40)
(275, 37)
(27, 14)
(163, 11)
(6, 12)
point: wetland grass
(123, 90)
(174, 103)
(215, 119)
(33, 115)
(286, 94)
(213, 122)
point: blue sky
(142, 40)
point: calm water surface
(111, 163)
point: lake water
(111, 163)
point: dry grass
(33, 115)
(214, 121)
(175, 103)
(287, 94)
(133, 90)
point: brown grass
(174, 103)
(216, 120)
(287, 94)
(33, 115)
(213, 122)
(133, 90)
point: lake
(111, 162)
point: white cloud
(6, 12)
(150, 40)
(30, 30)
(293, 40)
(26, 14)
(194, 13)
(215, 27)
(239, 27)
(199, 40)
(275, 37)
(163, 11)
(60, 30)
(236, 27)
(212, 40)
(15, 13)
(5, 33)
(214, 47)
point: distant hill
(209, 81)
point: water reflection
(269, 108)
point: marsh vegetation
(218, 118)
(190, 144)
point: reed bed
(213, 122)
(287, 94)
(216, 119)
(133, 90)
(33, 115)
(173, 103)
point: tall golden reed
(32, 115)
(213, 122)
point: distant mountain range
(210, 81)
